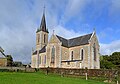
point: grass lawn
(40, 78)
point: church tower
(42, 34)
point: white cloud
(18, 24)
(73, 9)
(64, 32)
(20, 19)
(108, 49)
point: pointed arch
(44, 38)
(38, 38)
(94, 51)
(45, 59)
(81, 54)
(71, 55)
(53, 55)
(39, 59)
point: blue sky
(19, 20)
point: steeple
(42, 34)
(43, 23)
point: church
(58, 52)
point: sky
(19, 20)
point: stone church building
(58, 52)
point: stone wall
(57, 45)
(66, 56)
(3, 62)
(94, 64)
(42, 60)
(81, 72)
(63, 55)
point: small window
(94, 51)
(45, 60)
(40, 59)
(81, 54)
(53, 55)
(72, 55)
(44, 38)
(38, 38)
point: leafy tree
(104, 64)
(9, 60)
(115, 59)
(110, 62)
(17, 64)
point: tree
(111, 61)
(115, 59)
(104, 64)
(17, 64)
(9, 60)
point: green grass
(40, 78)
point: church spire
(43, 23)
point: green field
(40, 78)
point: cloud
(115, 7)
(107, 49)
(64, 32)
(113, 12)
(104, 35)
(17, 29)
(20, 19)
(18, 24)
(73, 9)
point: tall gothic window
(53, 55)
(72, 55)
(82, 54)
(44, 38)
(40, 59)
(38, 38)
(45, 60)
(94, 51)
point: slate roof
(43, 50)
(43, 25)
(2, 52)
(2, 55)
(82, 40)
(63, 40)
(40, 51)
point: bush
(4, 70)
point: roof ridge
(79, 36)
(81, 40)
(62, 37)
(73, 37)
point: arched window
(94, 51)
(45, 60)
(38, 38)
(40, 59)
(81, 54)
(44, 38)
(72, 55)
(53, 55)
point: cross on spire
(43, 22)
(44, 9)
